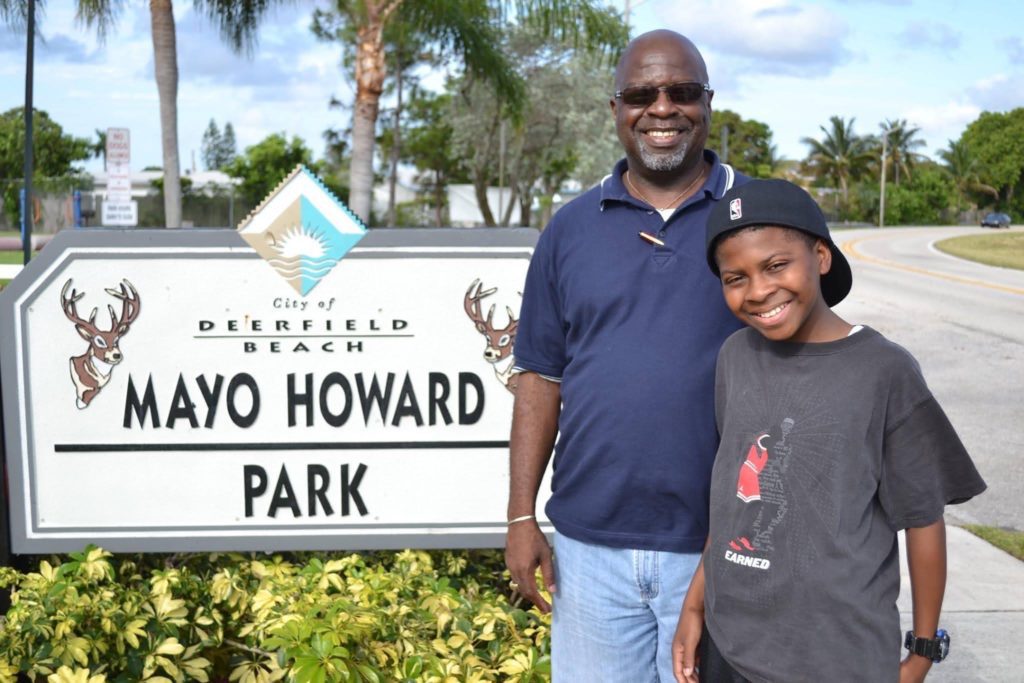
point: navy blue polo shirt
(632, 331)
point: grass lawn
(1005, 539)
(1005, 249)
(14, 257)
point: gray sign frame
(134, 243)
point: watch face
(943, 639)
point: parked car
(995, 220)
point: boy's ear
(824, 257)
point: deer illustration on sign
(90, 371)
(499, 339)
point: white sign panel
(209, 405)
(120, 214)
(119, 147)
(119, 188)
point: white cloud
(941, 122)
(771, 36)
(1000, 92)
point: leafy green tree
(928, 198)
(541, 140)
(749, 143)
(901, 141)
(334, 167)
(965, 171)
(996, 141)
(266, 163)
(840, 156)
(54, 152)
(237, 21)
(466, 29)
(429, 146)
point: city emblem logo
(91, 371)
(302, 230)
(735, 209)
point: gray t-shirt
(827, 450)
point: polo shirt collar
(613, 189)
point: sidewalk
(8, 271)
(983, 611)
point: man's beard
(661, 162)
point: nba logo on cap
(735, 209)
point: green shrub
(409, 616)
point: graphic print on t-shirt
(761, 482)
(747, 487)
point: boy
(830, 443)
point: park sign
(328, 388)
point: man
(618, 333)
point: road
(965, 324)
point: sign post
(119, 209)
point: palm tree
(99, 148)
(237, 21)
(841, 156)
(965, 170)
(468, 28)
(901, 141)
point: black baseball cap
(778, 203)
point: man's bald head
(662, 40)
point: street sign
(119, 148)
(120, 214)
(119, 189)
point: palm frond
(100, 15)
(237, 20)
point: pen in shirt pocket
(648, 237)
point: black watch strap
(934, 649)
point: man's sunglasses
(646, 95)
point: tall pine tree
(227, 149)
(210, 149)
(218, 149)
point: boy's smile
(771, 281)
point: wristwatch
(935, 649)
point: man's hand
(914, 668)
(534, 426)
(684, 645)
(526, 548)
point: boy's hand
(526, 548)
(914, 668)
(684, 644)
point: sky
(791, 64)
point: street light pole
(881, 202)
(26, 214)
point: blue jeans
(615, 612)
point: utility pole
(881, 201)
(26, 214)
(501, 173)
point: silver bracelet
(521, 519)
